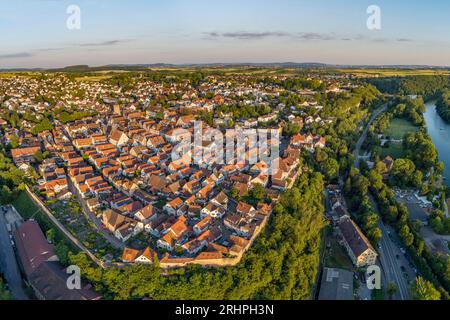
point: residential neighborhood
(115, 156)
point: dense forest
(426, 85)
(282, 264)
(443, 106)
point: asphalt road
(392, 260)
(389, 250)
(363, 137)
(8, 263)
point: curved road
(363, 137)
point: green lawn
(400, 127)
(397, 130)
(336, 256)
(395, 150)
(26, 207)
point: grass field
(400, 127)
(397, 130)
(7, 75)
(393, 72)
(92, 78)
(27, 208)
(395, 150)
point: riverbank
(439, 131)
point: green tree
(424, 290)
(258, 193)
(4, 293)
(391, 289)
(406, 235)
(62, 251)
(14, 141)
(234, 193)
(331, 168)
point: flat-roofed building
(337, 284)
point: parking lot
(418, 208)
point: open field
(93, 78)
(396, 131)
(255, 71)
(6, 75)
(400, 127)
(394, 72)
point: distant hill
(290, 65)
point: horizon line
(265, 64)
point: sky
(34, 33)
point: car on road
(397, 256)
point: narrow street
(116, 243)
(8, 262)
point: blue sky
(33, 33)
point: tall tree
(424, 290)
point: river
(439, 131)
